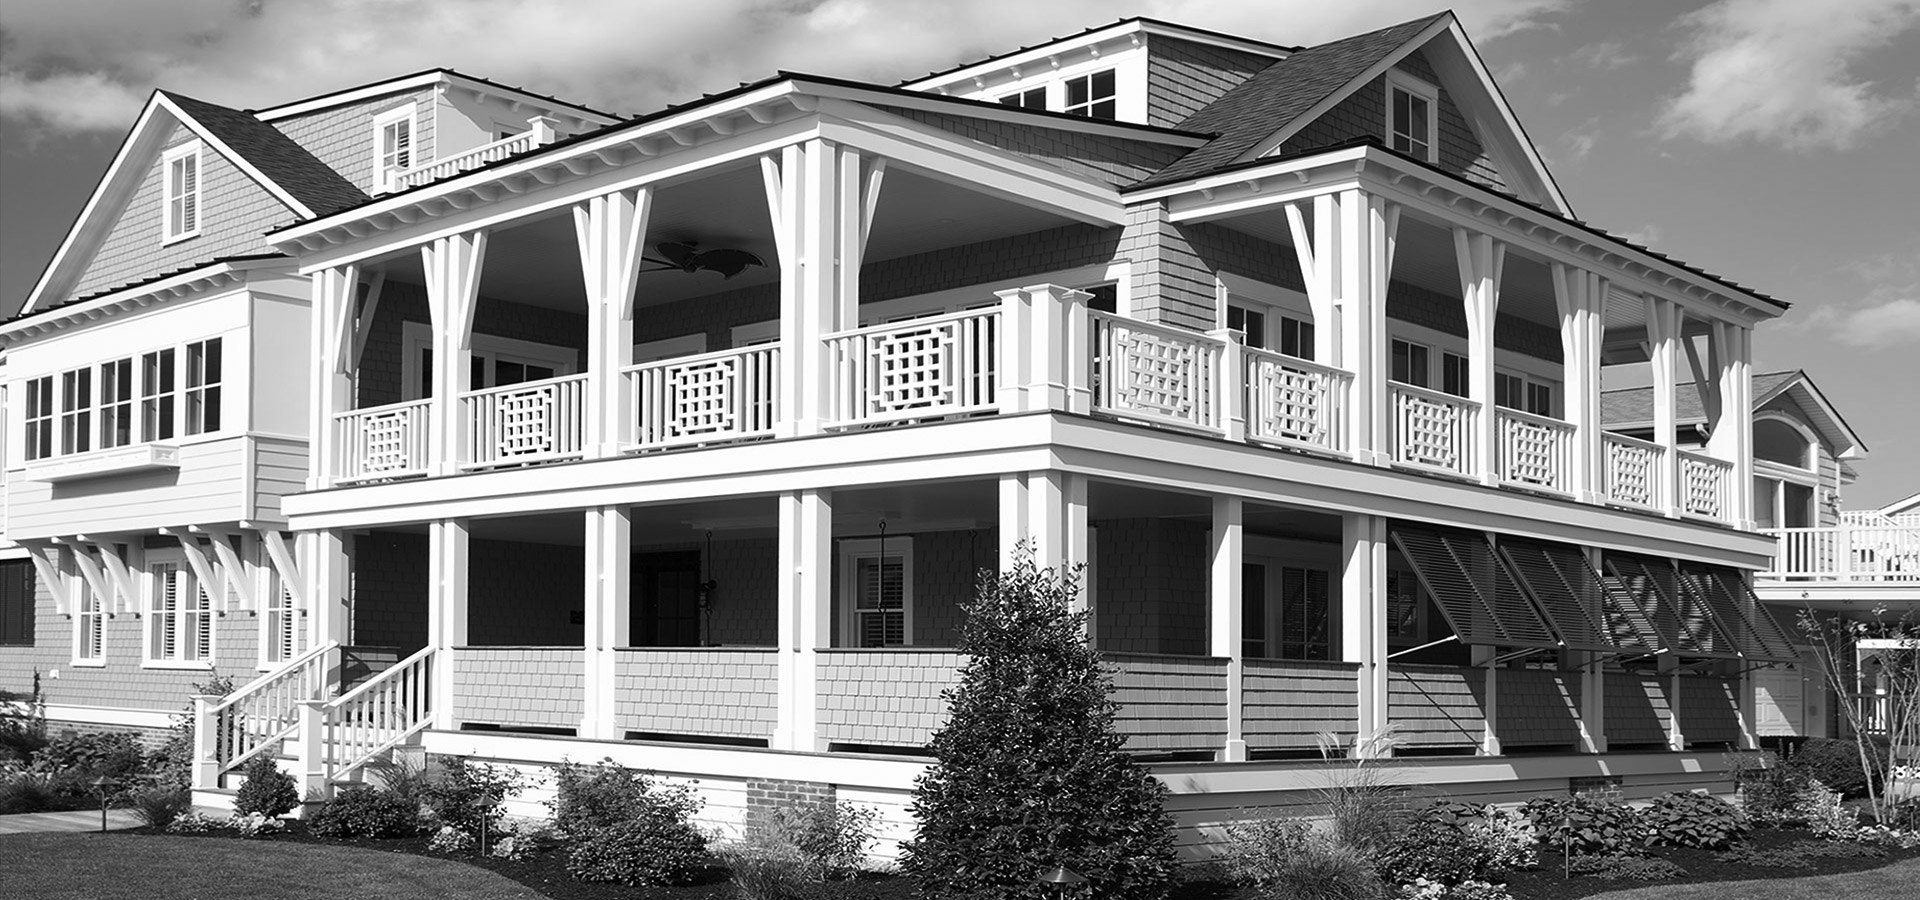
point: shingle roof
(1634, 406)
(1280, 93)
(287, 164)
(142, 282)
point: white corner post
(1354, 241)
(806, 614)
(1363, 618)
(1225, 622)
(1731, 350)
(611, 231)
(1676, 708)
(310, 750)
(447, 546)
(325, 562)
(1056, 342)
(1581, 299)
(1663, 344)
(803, 201)
(331, 393)
(206, 751)
(609, 581)
(1481, 259)
(1043, 514)
(452, 267)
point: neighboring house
(679, 439)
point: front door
(666, 597)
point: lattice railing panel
(921, 368)
(1534, 450)
(1433, 429)
(1632, 470)
(1704, 485)
(727, 395)
(1157, 373)
(1294, 401)
(533, 421)
(382, 442)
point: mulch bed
(1547, 883)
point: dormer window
(1093, 96)
(1032, 98)
(392, 146)
(1411, 116)
(181, 187)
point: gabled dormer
(1138, 71)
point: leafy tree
(1030, 772)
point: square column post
(609, 583)
(1593, 702)
(1360, 234)
(447, 545)
(325, 567)
(1581, 298)
(452, 267)
(1732, 435)
(1363, 616)
(611, 233)
(1013, 519)
(1228, 545)
(1663, 345)
(806, 613)
(1481, 259)
(331, 392)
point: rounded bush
(364, 812)
(1681, 819)
(268, 791)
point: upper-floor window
(392, 146)
(203, 387)
(1093, 95)
(1031, 98)
(76, 411)
(1251, 323)
(121, 402)
(1512, 391)
(181, 191)
(116, 403)
(1410, 363)
(494, 361)
(1411, 116)
(157, 395)
(1455, 373)
(39, 418)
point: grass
(140, 867)
(1893, 882)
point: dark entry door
(666, 610)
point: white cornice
(1116, 38)
(452, 80)
(186, 284)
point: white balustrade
(388, 709)
(533, 421)
(1156, 373)
(921, 368)
(1862, 550)
(1706, 486)
(1634, 470)
(1295, 402)
(1535, 451)
(721, 396)
(539, 134)
(382, 441)
(1432, 430)
(257, 716)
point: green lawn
(1898, 881)
(142, 867)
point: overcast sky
(1771, 141)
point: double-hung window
(1251, 323)
(1512, 391)
(1410, 363)
(1454, 374)
(39, 418)
(1411, 106)
(203, 387)
(76, 410)
(89, 615)
(1093, 95)
(157, 395)
(393, 151)
(16, 602)
(1296, 337)
(116, 403)
(878, 585)
(179, 616)
(181, 183)
(279, 626)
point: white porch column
(611, 233)
(1317, 252)
(820, 227)
(324, 562)
(332, 389)
(1481, 259)
(1581, 298)
(1044, 514)
(1663, 340)
(806, 613)
(609, 581)
(1361, 234)
(1363, 618)
(453, 288)
(1676, 727)
(1228, 544)
(446, 610)
(1732, 436)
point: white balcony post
(1360, 233)
(803, 201)
(334, 297)
(1581, 298)
(328, 580)
(1046, 382)
(310, 753)
(1016, 332)
(1663, 337)
(1317, 254)
(609, 581)
(1481, 259)
(806, 613)
(1363, 629)
(543, 130)
(1226, 624)
(447, 556)
(453, 289)
(1732, 436)
(1230, 383)
(611, 232)
(206, 744)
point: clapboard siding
(209, 486)
(280, 468)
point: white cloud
(1605, 55)
(1882, 325)
(622, 55)
(1778, 71)
(1884, 314)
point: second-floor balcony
(1865, 552)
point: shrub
(1364, 808)
(76, 760)
(829, 838)
(159, 804)
(173, 762)
(1257, 851)
(1286, 858)
(1585, 826)
(1826, 816)
(267, 791)
(366, 812)
(451, 840)
(658, 847)
(256, 825)
(28, 792)
(23, 724)
(766, 873)
(1615, 867)
(191, 822)
(1434, 846)
(1767, 787)
(1836, 764)
(588, 797)
(467, 794)
(1029, 772)
(1423, 889)
(519, 838)
(1684, 819)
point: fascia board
(13, 332)
(1514, 136)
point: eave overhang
(193, 282)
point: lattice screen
(703, 397)
(1429, 432)
(1630, 473)
(386, 438)
(1530, 456)
(524, 419)
(1160, 375)
(909, 369)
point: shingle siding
(342, 136)
(1184, 76)
(1151, 579)
(1364, 114)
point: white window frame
(39, 418)
(189, 156)
(159, 397)
(1074, 109)
(89, 613)
(190, 591)
(1529, 381)
(1397, 80)
(279, 618)
(418, 337)
(852, 551)
(76, 413)
(195, 399)
(384, 179)
(115, 406)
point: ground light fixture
(1063, 880)
(100, 786)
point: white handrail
(531, 421)
(1535, 451)
(1433, 430)
(1847, 552)
(387, 441)
(540, 133)
(940, 365)
(706, 397)
(1296, 401)
(1157, 373)
(379, 714)
(265, 711)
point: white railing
(1634, 470)
(539, 133)
(1706, 486)
(379, 714)
(1296, 402)
(533, 421)
(1156, 373)
(721, 396)
(921, 368)
(1535, 451)
(257, 716)
(382, 441)
(1433, 430)
(1849, 552)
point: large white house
(452, 415)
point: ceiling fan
(686, 256)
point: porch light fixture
(703, 594)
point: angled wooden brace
(283, 565)
(233, 570)
(126, 591)
(203, 568)
(90, 572)
(46, 564)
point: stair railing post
(206, 757)
(312, 750)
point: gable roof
(278, 157)
(1630, 408)
(424, 78)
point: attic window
(1033, 98)
(181, 190)
(1411, 115)
(1092, 96)
(393, 151)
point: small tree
(1030, 772)
(1836, 642)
